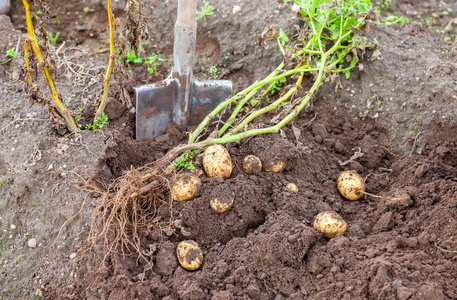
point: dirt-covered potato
(198, 171)
(189, 254)
(222, 198)
(274, 165)
(330, 224)
(217, 162)
(292, 187)
(351, 185)
(252, 164)
(186, 187)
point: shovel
(179, 98)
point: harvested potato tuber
(186, 187)
(222, 198)
(330, 224)
(274, 165)
(292, 187)
(217, 162)
(189, 254)
(252, 164)
(198, 171)
(351, 185)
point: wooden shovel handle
(187, 12)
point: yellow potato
(274, 165)
(186, 187)
(292, 187)
(350, 185)
(217, 162)
(252, 164)
(330, 224)
(198, 171)
(190, 256)
(222, 202)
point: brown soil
(264, 247)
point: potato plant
(329, 44)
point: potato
(351, 185)
(222, 198)
(292, 187)
(217, 162)
(252, 164)
(186, 187)
(274, 165)
(198, 171)
(190, 256)
(330, 224)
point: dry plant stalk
(104, 101)
(70, 123)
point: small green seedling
(38, 293)
(206, 10)
(185, 161)
(67, 102)
(214, 72)
(151, 62)
(132, 58)
(101, 121)
(87, 9)
(384, 4)
(11, 53)
(276, 86)
(79, 112)
(53, 38)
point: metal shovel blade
(179, 99)
(157, 105)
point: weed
(101, 121)
(185, 161)
(79, 112)
(132, 58)
(151, 62)
(206, 10)
(1, 182)
(57, 20)
(214, 72)
(384, 4)
(276, 86)
(38, 293)
(67, 102)
(20, 260)
(447, 38)
(53, 38)
(11, 53)
(87, 9)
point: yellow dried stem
(71, 125)
(27, 61)
(104, 101)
